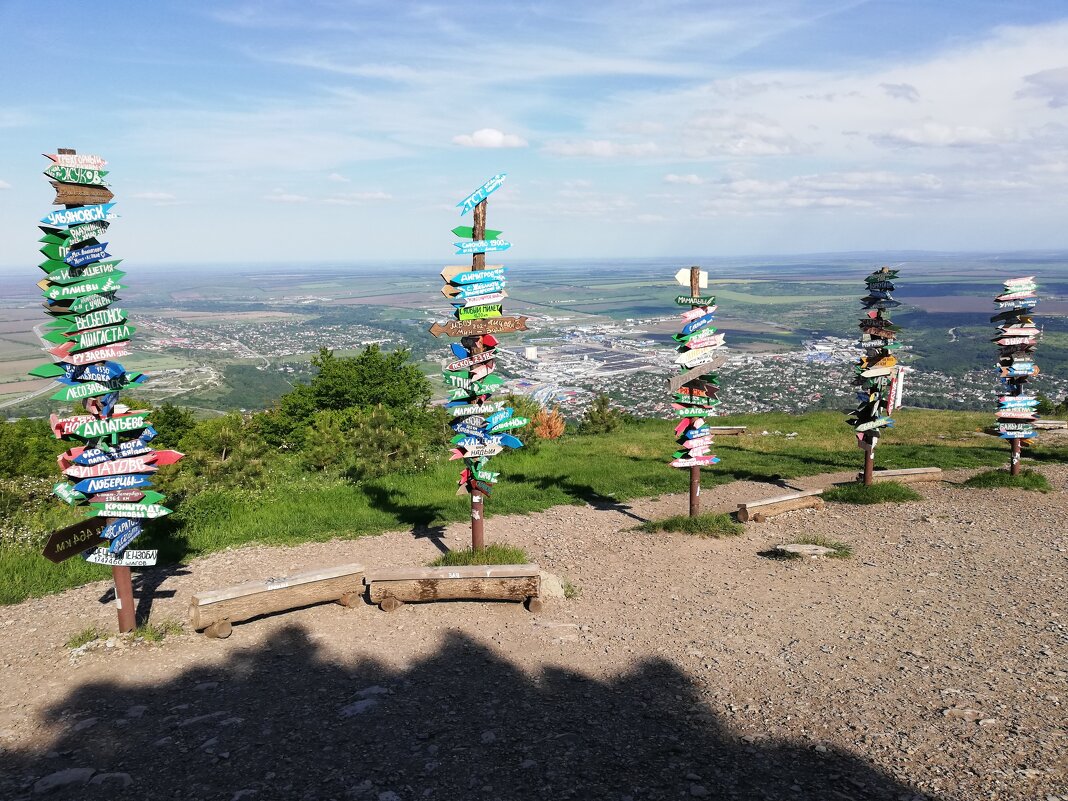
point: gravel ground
(929, 665)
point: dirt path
(929, 665)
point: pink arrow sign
(114, 467)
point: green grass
(84, 637)
(604, 471)
(571, 589)
(706, 525)
(157, 632)
(496, 553)
(882, 492)
(1028, 480)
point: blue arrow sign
(121, 533)
(481, 246)
(82, 214)
(459, 351)
(92, 486)
(499, 417)
(508, 441)
(105, 372)
(477, 276)
(480, 194)
(469, 430)
(76, 258)
(698, 324)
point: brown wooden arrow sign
(80, 194)
(469, 328)
(684, 378)
(72, 540)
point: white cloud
(901, 91)
(338, 178)
(357, 198)
(690, 178)
(600, 148)
(730, 134)
(936, 134)
(1049, 85)
(281, 196)
(4, 185)
(489, 138)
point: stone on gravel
(489, 737)
(552, 589)
(357, 707)
(136, 711)
(63, 778)
(963, 714)
(698, 790)
(803, 549)
(82, 725)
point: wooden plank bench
(759, 511)
(726, 431)
(910, 475)
(392, 587)
(214, 610)
(1049, 425)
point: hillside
(278, 502)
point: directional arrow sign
(96, 319)
(476, 452)
(91, 287)
(76, 258)
(72, 540)
(84, 214)
(76, 175)
(99, 337)
(101, 556)
(695, 461)
(692, 375)
(66, 493)
(509, 425)
(696, 358)
(141, 510)
(71, 194)
(122, 532)
(683, 277)
(92, 389)
(695, 300)
(94, 429)
(483, 192)
(467, 328)
(480, 300)
(479, 312)
(696, 325)
(64, 353)
(481, 246)
(95, 270)
(83, 233)
(83, 160)
(471, 361)
(472, 290)
(464, 274)
(113, 467)
(469, 233)
(480, 409)
(91, 486)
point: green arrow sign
(479, 312)
(76, 175)
(467, 232)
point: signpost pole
(695, 471)
(1014, 464)
(869, 466)
(478, 503)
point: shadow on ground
(284, 721)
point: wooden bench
(214, 610)
(1050, 425)
(392, 587)
(726, 431)
(911, 475)
(759, 511)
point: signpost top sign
(483, 192)
(683, 277)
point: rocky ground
(930, 665)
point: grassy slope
(578, 469)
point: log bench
(759, 511)
(392, 587)
(726, 431)
(911, 475)
(214, 610)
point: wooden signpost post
(694, 389)
(1017, 339)
(477, 293)
(878, 375)
(114, 461)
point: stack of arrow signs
(877, 373)
(1017, 338)
(110, 466)
(482, 427)
(696, 385)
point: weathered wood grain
(253, 598)
(512, 588)
(758, 511)
(476, 571)
(912, 475)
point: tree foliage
(601, 417)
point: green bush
(600, 417)
(496, 553)
(1027, 480)
(880, 492)
(706, 525)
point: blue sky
(347, 131)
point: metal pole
(1014, 463)
(695, 471)
(478, 505)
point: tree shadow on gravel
(283, 720)
(580, 492)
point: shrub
(1028, 480)
(880, 492)
(496, 553)
(600, 417)
(706, 525)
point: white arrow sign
(129, 558)
(683, 277)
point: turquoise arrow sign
(480, 194)
(481, 246)
(77, 216)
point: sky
(347, 131)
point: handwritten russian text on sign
(82, 160)
(130, 558)
(481, 246)
(483, 192)
(76, 175)
(72, 540)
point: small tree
(601, 417)
(548, 424)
